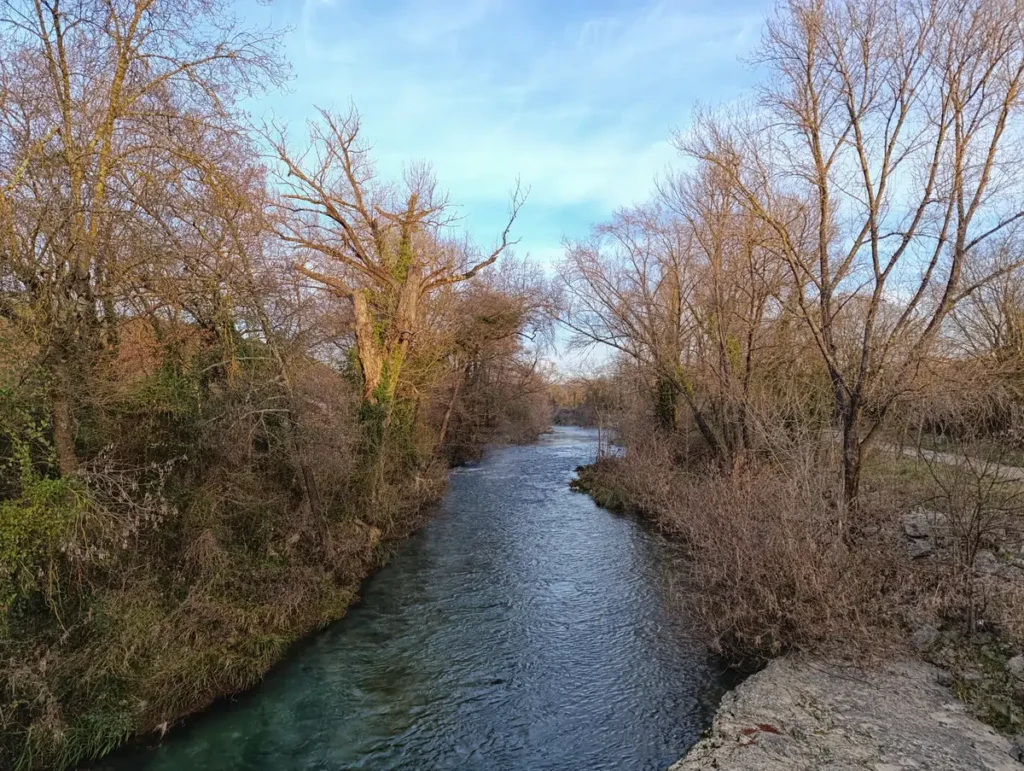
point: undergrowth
(775, 565)
(184, 559)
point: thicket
(230, 377)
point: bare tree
(628, 286)
(882, 156)
(96, 97)
(384, 247)
(688, 287)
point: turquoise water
(522, 628)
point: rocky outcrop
(802, 714)
(923, 528)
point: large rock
(986, 563)
(802, 714)
(924, 523)
(1015, 667)
(923, 528)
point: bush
(773, 565)
(34, 529)
(183, 558)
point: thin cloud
(576, 99)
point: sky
(578, 99)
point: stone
(925, 637)
(919, 547)
(828, 716)
(1015, 666)
(922, 523)
(944, 678)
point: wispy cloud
(576, 98)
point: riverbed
(521, 628)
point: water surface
(522, 629)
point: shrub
(773, 565)
(34, 529)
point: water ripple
(522, 628)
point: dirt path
(951, 459)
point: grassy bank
(220, 514)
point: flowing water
(521, 628)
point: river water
(522, 628)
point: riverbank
(521, 628)
(776, 574)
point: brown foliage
(772, 565)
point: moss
(600, 486)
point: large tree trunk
(371, 357)
(382, 353)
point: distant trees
(686, 286)
(495, 382)
(627, 287)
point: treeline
(233, 366)
(837, 270)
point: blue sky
(576, 98)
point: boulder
(803, 714)
(924, 523)
(1015, 666)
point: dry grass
(776, 565)
(773, 564)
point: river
(521, 628)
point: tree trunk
(382, 352)
(64, 431)
(460, 374)
(371, 359)
(851, 460)
(665, 404)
